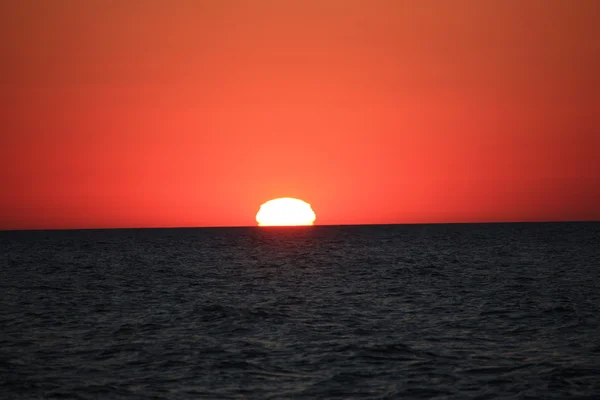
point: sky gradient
(193, 113)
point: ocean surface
(474, 311)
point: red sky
(193, 113)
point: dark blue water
(371, 312)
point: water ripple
(381, 312)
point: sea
(456, 311)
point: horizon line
(299, 226)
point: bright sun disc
(285, 211)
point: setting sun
(285, 211)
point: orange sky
(193, 113)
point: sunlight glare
(285, 211)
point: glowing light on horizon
(285, 211)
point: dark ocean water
(363, 312)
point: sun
(285, 211)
